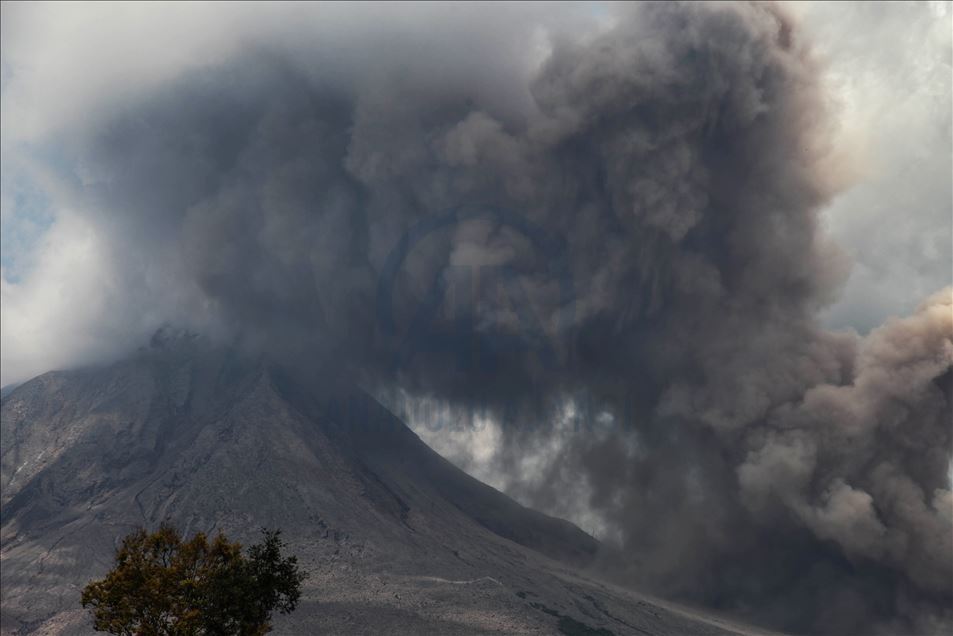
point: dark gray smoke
(633, 227)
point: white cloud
(889, 69)
(48, 317)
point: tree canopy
(165, 585)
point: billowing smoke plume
(629, 226)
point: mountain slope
(396, 538)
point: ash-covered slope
(397, 539)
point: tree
(163, 585)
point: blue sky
(27, 216)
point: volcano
(396, 539)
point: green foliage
(163, 585)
